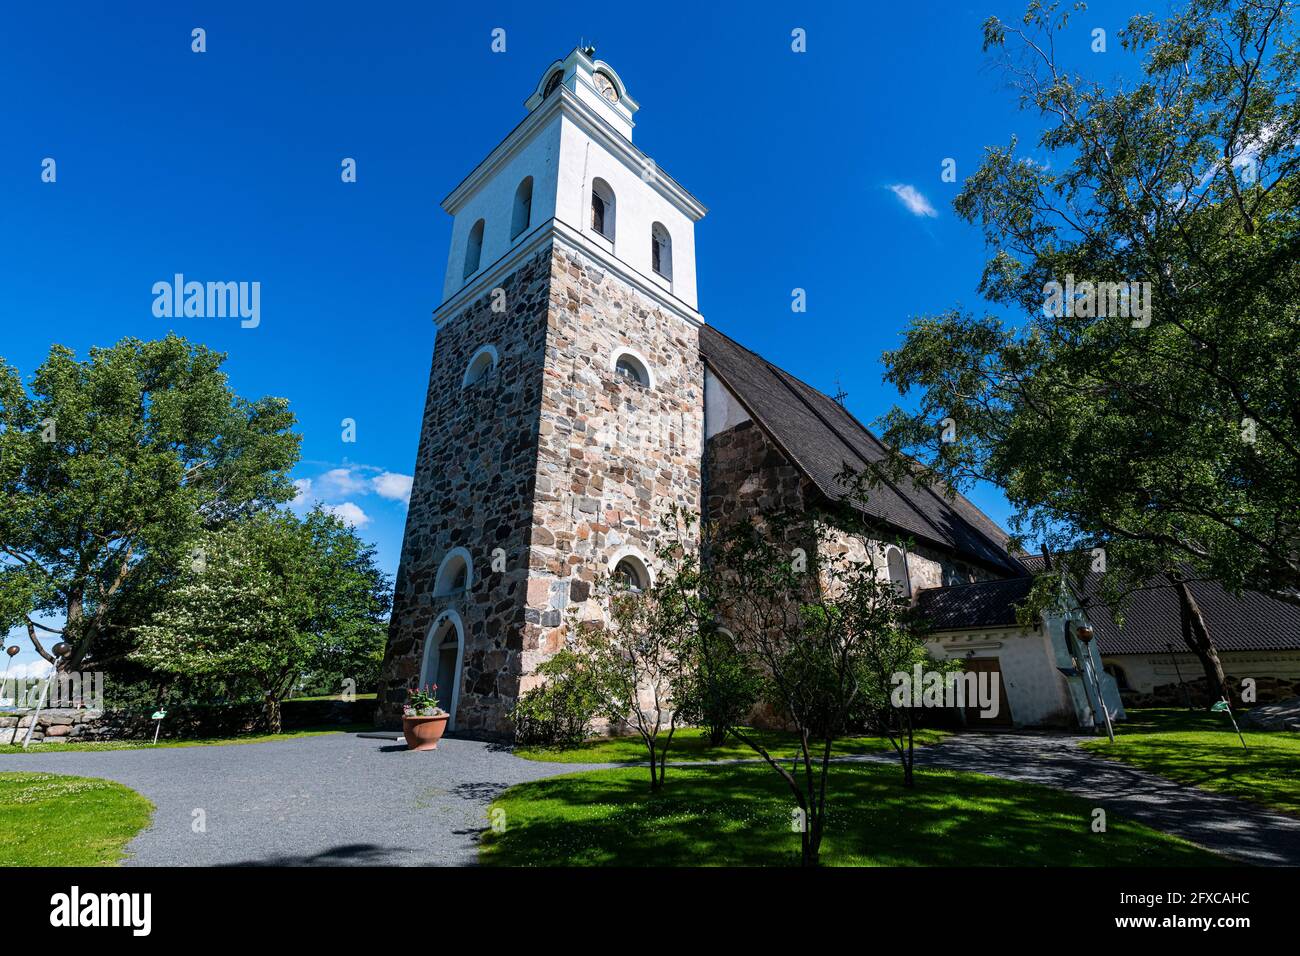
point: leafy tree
(110, 468)
(646, 651)
(820, 629)
(355, 656)
(887, 638)
(721, 690)
(560, 711)
(270, 597)
(1149, 428)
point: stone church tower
(565, 408)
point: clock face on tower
(606, 86)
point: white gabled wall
(565, 147)
(722, 410)
(494, 203)
(638, 206)
(1036, 691)
(1030, 658)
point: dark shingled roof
(983, 604)
(1252, 622)
(820, 437)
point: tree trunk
(1196, 635)
(910, 759)
(812, 849)
(654, 767)
(808, 854)
(271, 711)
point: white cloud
(303, 498)
(338, 489)
(393, 486)
(350, 513)
(910, 197)
(340, 482)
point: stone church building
(576, 392)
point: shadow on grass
(1165, 720)
(691, 744)
(742, 816)
(1267, 773)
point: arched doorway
(444, 654)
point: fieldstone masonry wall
(927, 567)
(473, 488)
(612, 455)
(553, 459)
(748, 475)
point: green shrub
(559, 713)
(720, 692)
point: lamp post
(11, 650)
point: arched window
(602, 208)
(482, 364)
(1117, 672)
(455, 574)
(523, 208)
(897, 565)
(552, 82)
(631, 573)
(473, 249)
(630, 367)
(661, 250)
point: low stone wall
(1268, 690)
(55, 725)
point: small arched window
(661, 250)
(897, 565)
(552, 83)
(1117, 672)
(629, 367)
(523, 208)
(473, 249)
(631, 574)
(455, 574)
(483, 363)
(602, 208)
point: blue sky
(225, 166)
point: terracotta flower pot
(423, 733)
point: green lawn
(692, 743)
(1202, 749)
(196, 742)
(740, 815)
(49, 819)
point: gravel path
(335, 800)
(347, 800)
